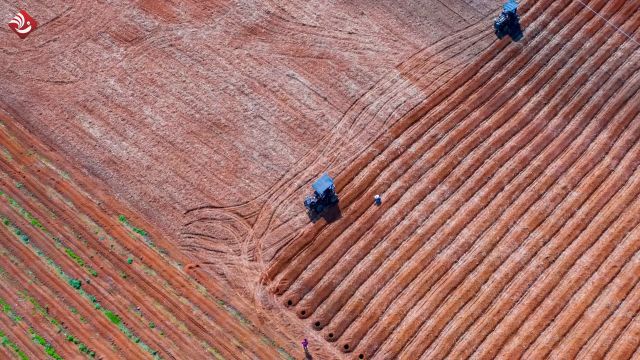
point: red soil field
(159, 152)
(125, 270)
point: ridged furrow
(372, 171)
(408, 273)
(522, 281)
(627, 344)
(283, 258)
(475, 257)
(608, 333)
(487, 171)
(441, 290)
(594, 301)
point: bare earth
(183, 136)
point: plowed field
(509, 225)
(79, 272)
(154, 160)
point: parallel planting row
(509, 223)
(79, 279)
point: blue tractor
(508, 23)
(324, 196)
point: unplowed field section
(509, 224)
(206, 103)
(77, 272)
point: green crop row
(68, 279)
(75, 283)
(113, 317)
(27, 215)
(6, 342)
(78, 260)
(6, 154)
(37, 224)
(149, 271)
(43, 342)
(6, 308)
(232, 311)
(123, 219)
(61, 329)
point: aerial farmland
(266, 179)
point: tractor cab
(508, 23)
(324, 196)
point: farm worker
(377, 199)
